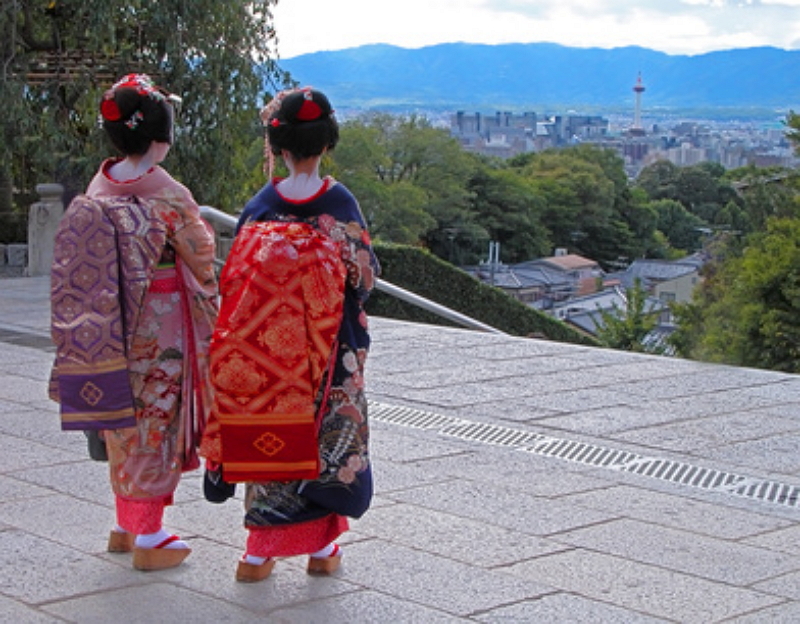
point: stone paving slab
(726, 561)
(453, 536)
(698, 435)
(373, 606)
(462, 529)
(16, 611)
(438, 582)
(146, 603)
(655, 590)
(531, 515)
(42, 571)
(787, 585)
(565, 608)
(673, 511)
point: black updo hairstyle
(303, 125)
(135, 113)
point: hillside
(541, 76)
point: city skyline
(687, 27)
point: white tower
(638, 89)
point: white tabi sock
(151, 540)
(330, 550)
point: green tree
(217, 56)
(793, 129)
(510, 211)
(747, 311)
(703, 189)
(683, 229)
(626, 329)
(766, 192)
(584, 203)
(413, 182)
(642, 221)
(659, 180)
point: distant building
(545, 281)
(666, 280)
(506, 134)
(586, 314)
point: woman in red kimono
(287, 359)
(133, 308)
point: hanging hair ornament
(268, 117)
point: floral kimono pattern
(286, 517)
(133, 308)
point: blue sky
(671, 26)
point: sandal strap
(168, 541)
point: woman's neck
(134, 166)
(304, 180)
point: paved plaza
(517, 480)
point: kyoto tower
(638, 89)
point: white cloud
(676, 27)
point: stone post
(43, 220)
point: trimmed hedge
(426, 275)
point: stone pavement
(517, 480)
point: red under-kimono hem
(295, 539)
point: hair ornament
(109, 109)
(134, 120)
(268, 117)
(310, 110)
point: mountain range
(543, 76)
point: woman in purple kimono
(133, 308)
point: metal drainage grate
(490, 434)
(592, 455)
(408, 417)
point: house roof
(522, 276)
(569, 262)
(584, 312)
(649, 271)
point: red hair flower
(110, 111)
(309, 111)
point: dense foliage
(747, 310)
(58, 57)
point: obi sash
(105, 252)
(282, 294)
